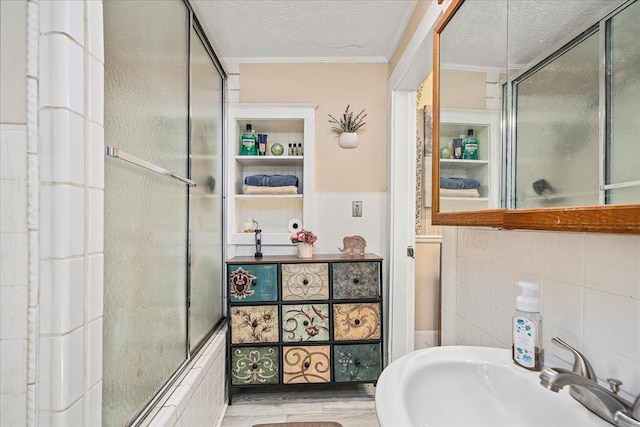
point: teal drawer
(356, 280)
(253, 282)
(357, 362)
(254, 365)
(305, 322)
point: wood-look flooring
(351, 406)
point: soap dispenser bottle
(527, 328)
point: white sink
(471, 386)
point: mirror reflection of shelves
(455, 123)
(284, 124)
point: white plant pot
(348, 140)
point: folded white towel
(257, 190)
(467, 192)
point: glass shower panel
(557, 134)
(624, 151)
(145, 243)
(206, 204)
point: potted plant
(347, 126)
(305, 240)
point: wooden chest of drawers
(304, 321)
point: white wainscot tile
(528, 252)
(62, 146)
(95, 163)
(96, 90)
(94, 405)
(611, 264)
(13, 152)
(62, 221)
(463, 303)
(474, 243)
(13, 366)
(500, 323)
(480, 277)
(14, 259)
(61, 370)
(63, 16)
(465, 272)
(94, 352)
(13, 312)
(563, 306)
(95, 27)
(502, 286)
(612, 322)
(480, 312)
(13, 410)
(564, 257)
(13, 199)
(95, 286)
(62, 294)
(96, 220)
(61, 73)
(501, 251)
(71, 416)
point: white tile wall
(198, 398)
(590, 285)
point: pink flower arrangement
(304, 236)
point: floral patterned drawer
(358, 362)
(253, 282)
(254, 365)
(356, 280)
(305, 322)
(254, 324)
(305, 281)
(306, 364)
(356, 321)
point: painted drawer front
(254, 365)
(356, 280)
(358, 362)
(305, 281)
(254, 324)
(249, 283)
(305, 322)
(356, 321)
(306, 364)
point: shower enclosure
(163, 199)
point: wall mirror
(534, 123)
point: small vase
(348, 140)
(305, 250)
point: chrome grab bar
(119, 154)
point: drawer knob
(306, 365)
(305, 323)
(254, 324)
(305, 282)
(357, 363)
(356, 280)
(254, 366)
(357, 321)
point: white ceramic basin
(471, 386)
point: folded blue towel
(271, 180)
(459, 183)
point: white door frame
(411, 70)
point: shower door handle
(119, 154)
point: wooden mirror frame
(623, 218)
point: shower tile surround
(590, 293)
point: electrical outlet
(356, 208)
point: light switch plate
(356, 208)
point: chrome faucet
(586, 390)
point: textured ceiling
(532, 26)
(314, 30)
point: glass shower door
(205, 204)
(146, 213)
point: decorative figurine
(355, 245)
